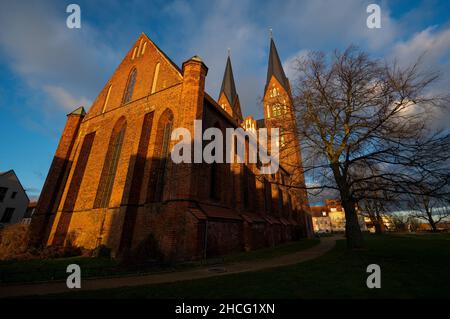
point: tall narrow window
(7, 215)
(160, 157)
(155, 78)
(104, 189)
(130, 87)
(280, 202)
(216, 172)
(267, 195)
(245, 187)
(213, 191)
(140, 47)
(3, 191)
(163, 164)
(106, 99)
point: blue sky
(47, 70)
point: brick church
(112, 181)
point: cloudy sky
(47, 70)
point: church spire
(228, 97)
(228, 85)
(275, 67)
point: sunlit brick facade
(112, 181)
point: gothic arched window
(280, 202)
(267, 196)
(160, 157)
(130, 87)
(105, 186)
(216, 173)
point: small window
(13, 195)
(3, 191)
(7, 215)
(277, 110)
(106, 99)
(155, 78)
(130, 87)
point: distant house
(331, 217)
(29, 213)
(13, 199)
(321, 220)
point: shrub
(14, 242)
(146, 250)
(50, 252)
(102, 251)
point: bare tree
(374, 209)
(432, 209)
(355, 114)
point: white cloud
(434, 44)
(37, 46)
(290, 64)
(65, 99)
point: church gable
(144, 70)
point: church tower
(279, 113)
(228, 97)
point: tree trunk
(379, 225)
(433, 225)
(352, 229)
(378, 230)
(431, 221)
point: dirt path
(324, 246)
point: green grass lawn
(411, 267)
(51, 269)
(55, 269)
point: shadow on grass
(411, 267)
(55, 269)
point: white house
(13, 199)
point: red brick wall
(133, 215)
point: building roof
(228, 85)
(316, 211)
(78, 111)
(174, 65)
(6, 172)
(13, 173)
(276, 68)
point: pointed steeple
(276, 68)
(228, 85)
(78, 111)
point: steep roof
(12, 173)
(228, 85)
(6, 172)
(78, 111)
(174, 65)
(275, 68)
